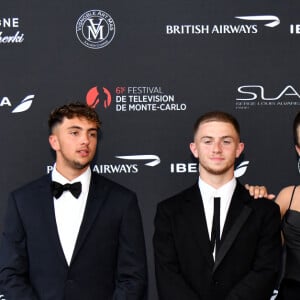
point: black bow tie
(58, 189)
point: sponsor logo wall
(150, 69)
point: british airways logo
(271, 21)
(135, 162)
(154, 159)
(243, 28)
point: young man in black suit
(73, 234)
(213, 241)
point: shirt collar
(225, 190)
(84, 178)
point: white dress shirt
(208, 193)
(69, 211)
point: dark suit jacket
(109, 257)
(246, 265)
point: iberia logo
(96, 95)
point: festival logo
(97, 95)
(134, 99)
(95, 29)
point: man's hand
(259, 191)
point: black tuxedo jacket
(247, 264)
(108, 261)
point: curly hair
(71, 110)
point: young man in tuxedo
(213, 241)
(73, 234)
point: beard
(79, 166)
(74, 164)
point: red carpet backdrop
(150, 68)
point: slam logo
(95, 29)
(257, 95)
(97, 95)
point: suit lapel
(238, 214)
(236, 205)
(48, 214)
(97, 194)
(195, 216)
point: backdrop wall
(151, 68)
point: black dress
(290, 285)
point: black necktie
(58, 189)
(215, 231)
